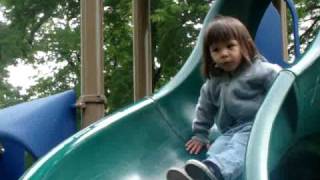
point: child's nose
(224, 53)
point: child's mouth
(226, 64)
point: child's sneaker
(199, 171)
(177, 174)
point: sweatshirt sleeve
(204, 114)
(271, 74)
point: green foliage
(42, 27)
(174, 35)
(9, 95)
(309, 22)
(118, 54)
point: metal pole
(282, 9)
(142, 58)
(92, 99)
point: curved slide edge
(289, 113)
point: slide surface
(285, 139)
(144, 140)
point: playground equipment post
(92, 98)
(142, 56)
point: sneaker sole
(198, 171)
(177, 174)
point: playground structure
(145, 139)
(34, 127)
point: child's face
(226, 55)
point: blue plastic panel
(36, 127)
(268, 37)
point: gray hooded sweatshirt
(233, 99)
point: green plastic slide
(144, 140)
(285, 139)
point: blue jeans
(228, 151)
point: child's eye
(214, 50)
(230, 46)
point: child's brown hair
(224, 29)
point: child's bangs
(221, 33)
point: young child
(237, 80)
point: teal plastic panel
(288, 118)
(132, 143)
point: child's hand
(193, 146)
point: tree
(174, 35)
(50, 28)
(55, 30)
(9, 95)
(309, 21)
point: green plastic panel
(287, 119)
(132, 143)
